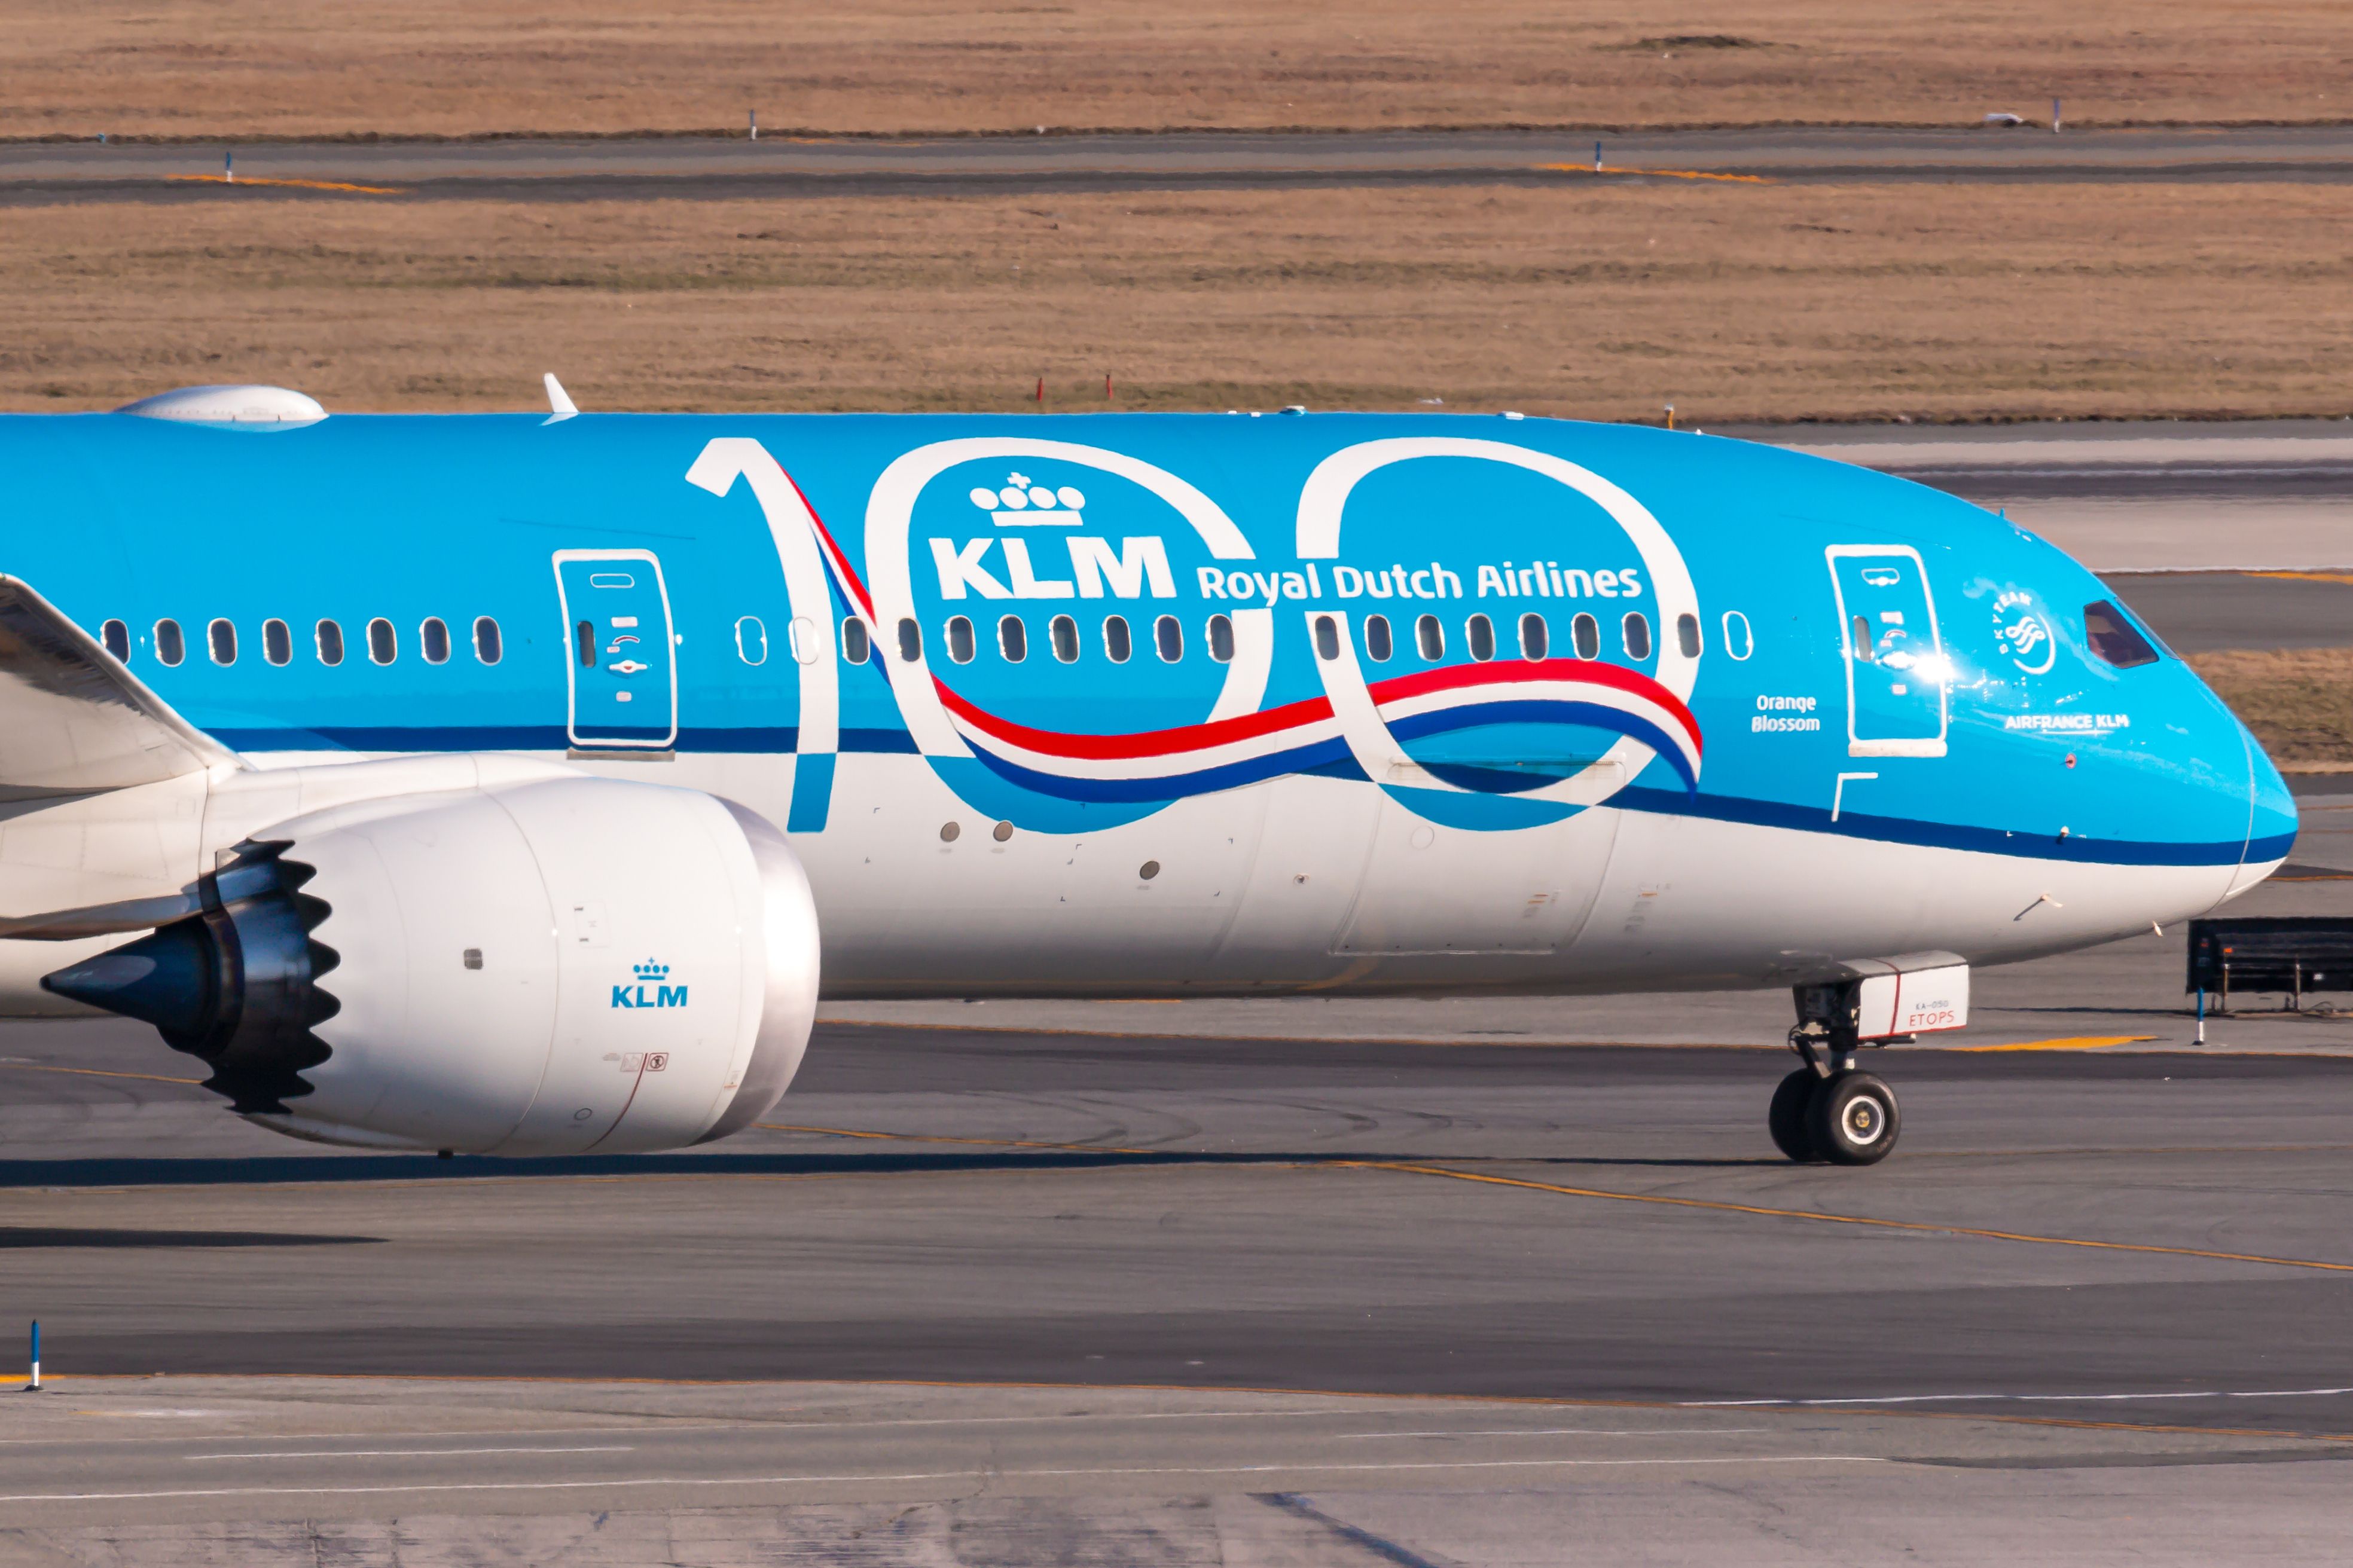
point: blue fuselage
(1074, 624)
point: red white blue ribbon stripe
(1305, 736)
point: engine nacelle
(543, 968)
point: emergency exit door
(1896, 675)
(619, 649)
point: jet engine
(560, 965)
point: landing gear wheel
(1853, 1120)
(1786, 1119)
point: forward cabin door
(1896, 674)
(621, 655)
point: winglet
(559, 402)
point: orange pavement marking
(1662, 173)
(303, 185)
(2072, 1042)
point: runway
(786, 165)
(1184, 1283)
(1420, 1289)
(2150, 496)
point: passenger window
(856, 647)
(117, 637)
(487, 644)
(1169, 639)
(584, 639)
(1585, 633)
(911, 642)
(1013, 639)
(329, 637)
(1861, 630)
(1064, 632)
(223, 638)
(1636, 628)
(1118, 645)
(960, 644)
(384, 643)
(1377, 639)
(169, 646)
(1738, 641)
(1430, 639)
(276, 642)
(1327, 638)
(1687, 636)
(433, 640)
(1479, 634)
(1221, 639)
(1536, 637)
(800, 636)
(752, 639)
(2114, 639)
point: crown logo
(650, 970)
(1021, 504)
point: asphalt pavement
(2153, 495)
(672, 167)
(1064, 1296)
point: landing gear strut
(1828, 1110)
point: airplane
(518, 785)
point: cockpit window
(2114, 639)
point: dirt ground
(1595, 301)
(245, 67)
(2298, 701)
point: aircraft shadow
(324, 1168)
(20, 1237)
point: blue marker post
(228, 168)
(33, 1384)
(1596, 157)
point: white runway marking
(1570, 1432)
(406, 1453)
(2020, 1398)
(927, 1475)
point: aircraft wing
(73, 721)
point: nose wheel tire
(1786, 1119)
(1852, 1120)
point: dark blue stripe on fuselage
(1947, 836)
(1331, 758)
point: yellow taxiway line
(300, 185)
(2070, 1043)
(1657, 173)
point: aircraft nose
(2272, 819)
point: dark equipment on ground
(2283, 954)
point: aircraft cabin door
(1896, 677)
(621, 655)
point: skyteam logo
(651, 988)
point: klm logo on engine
(651, 988)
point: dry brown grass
(1736, 302)
(231, 68)
(2298, 701)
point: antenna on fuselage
(559, 402)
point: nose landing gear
(1828, 1110)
